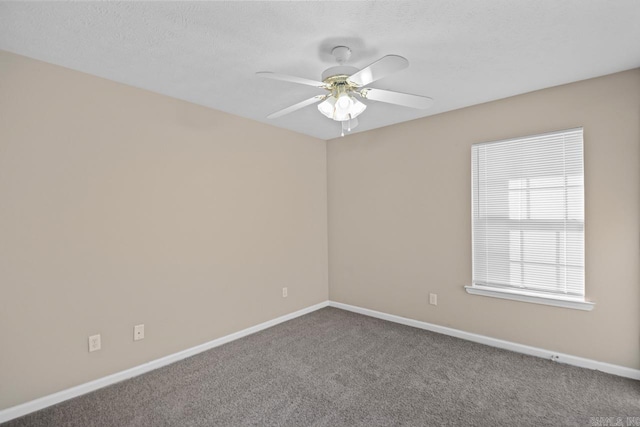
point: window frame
(509, 291)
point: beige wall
(400, 218)
(119, 206)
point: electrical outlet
(138, 332)
(284, 292)
(94, 343)
(433, 299)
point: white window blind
(528, 215)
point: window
(528, 219)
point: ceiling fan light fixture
(343, 108)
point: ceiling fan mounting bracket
(341, 71)
(341, 53)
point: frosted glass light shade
(341, 109)
(356, 108)
(327, 107)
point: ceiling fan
(346, 84)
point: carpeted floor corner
(337, 368)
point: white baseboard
(52, 399)
(555, 356)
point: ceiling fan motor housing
(337, 71)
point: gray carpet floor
(336, 368)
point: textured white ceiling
(460, 52)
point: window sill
(529, 297)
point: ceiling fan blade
(379, 69)
(297, 106)
(398, 98)
(292, 79)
